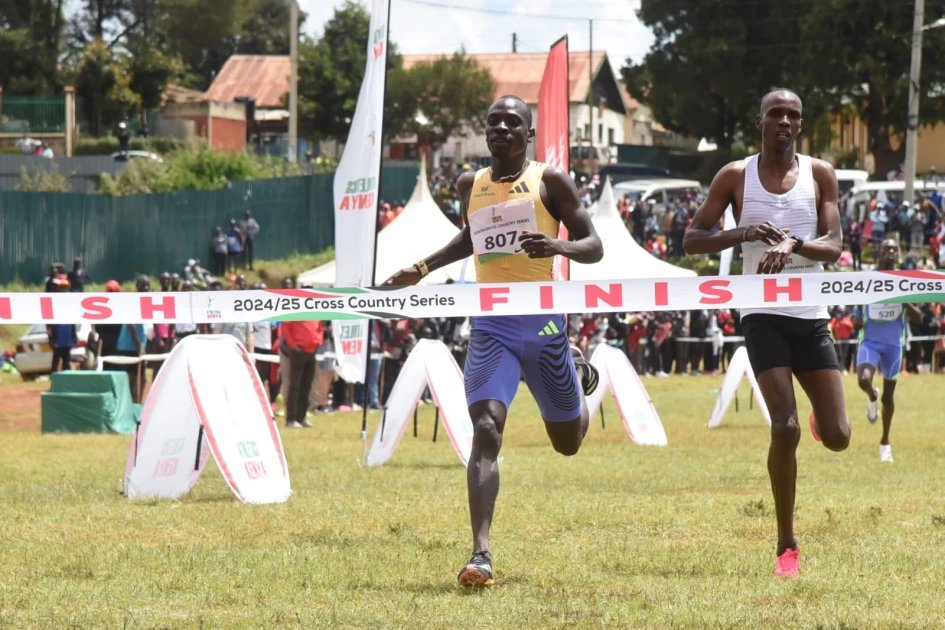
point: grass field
(618, 536)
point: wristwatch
(799, 243)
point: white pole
(913, 124)
(293, 80)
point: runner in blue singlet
(882, 339)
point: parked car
(661, 191)
(125, 156)
(34, 354)
(847, 179)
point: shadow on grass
(424, 466)
(449, 586)
(146, 502)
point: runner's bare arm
(564, 202)
(457, 249)
(700, 239)
(829, 244)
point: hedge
(107, 145)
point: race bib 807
(496, 230)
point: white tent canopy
(420, 230)
(623, 257)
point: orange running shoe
(788, 564)
(478, 571)
(813, 427)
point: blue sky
(424, 29)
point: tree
(103, 80)
(151, 70)
(861, 51)
(711, 62)
(331, 71)
(30, 38)
(247, 27)
(452, 94)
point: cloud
(422, 29)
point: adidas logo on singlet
(521, 189)
(550, 329)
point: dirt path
(20, 404)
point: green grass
(618, 536)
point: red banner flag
(553, 133)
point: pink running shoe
(813, 427)
(788, 564)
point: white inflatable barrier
(738, 368)
(633, 402)
(207, 398)
(429, 364)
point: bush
(194, 168)
(43, 181)
(106, 145)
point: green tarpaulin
(85, 401)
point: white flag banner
(356, 196)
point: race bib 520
(885, 312)
(496, 230)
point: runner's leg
(825, 390)
(492, 375)
(777, 387)
(889, 408)
(552, 377)
(864, 378)
(482, 473)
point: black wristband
(799, 245)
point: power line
(576, 18)
(719, 24)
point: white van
(850, 178)
(893, 191)
(661, 191)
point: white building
(618, 119)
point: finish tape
(464, 300)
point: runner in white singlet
(785, 205)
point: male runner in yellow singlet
(512, 212)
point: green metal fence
(36, 114)
(120, 237)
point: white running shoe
(872, 408)
(885, 453)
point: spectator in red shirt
(843, 331)
(299, 341)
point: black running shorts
(804, 345)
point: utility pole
(590, 93)
(912, 128)
(293, 80)
(514, 42)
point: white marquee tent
(623, 258)
(420, 230)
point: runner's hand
(774, 258)
(538, 245)
(767, 232)
(406, 277)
